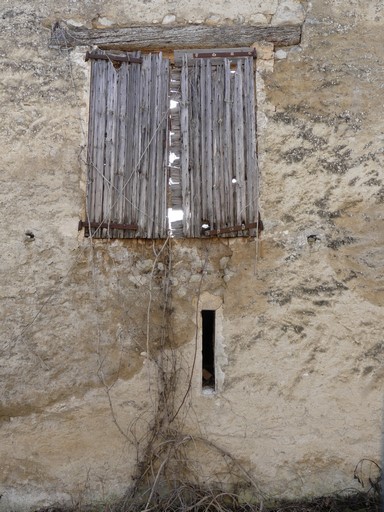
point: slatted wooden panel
(128, 147)
(218, 162)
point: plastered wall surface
(300, 311)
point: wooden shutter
(218, 161)
(127, 147)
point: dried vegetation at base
(192, 499)
(244, 497)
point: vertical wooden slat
(109, 198)
(143, 157)
(217, 171)
(91, 153)
(195, 168)
(98, 162)
(135, 142)
(207, 169)
(243, 133)
(227, 154)
(185, 146)
(118, 182)
(158, 164)
(131, 133)
(152, 121)
(203, 135)
(163, 149)
(238, 141)
(252, 164)
(156, 148)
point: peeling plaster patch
(224, 262)
(264, 63)
(266, 7)
(75, 23)
(289, 11)
(281, 54)
(258, 19)
(264, 51)
(221, 356)
(102, 22)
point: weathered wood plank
(164, 145)
(238, 132)
(227, 146)
(145, 126)
(196, 161)
(215, 55)
(130, 143)
(218, 168)
(207, 169)
(99, 143)
(216, 80)
(161, 147)
(118, 206)
(186, 36)
(152, 139)
(251, 155)
(134, 141)
(91, 150)
(109, 197)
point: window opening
(208, 348)
(172, 145)
(175, 210)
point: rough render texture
(301, 331)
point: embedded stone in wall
(103, 22)
(168, 19)
(289, 12)
(213, 19)
(258, 19)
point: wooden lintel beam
(186, 36)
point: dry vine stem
(166, 476)
(162, 457)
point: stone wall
(300, 329)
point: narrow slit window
(208, 348)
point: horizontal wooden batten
(243, 227)
(214, 55)
(210, 55)
(186, 36)
(106, 225)
(112, 57)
